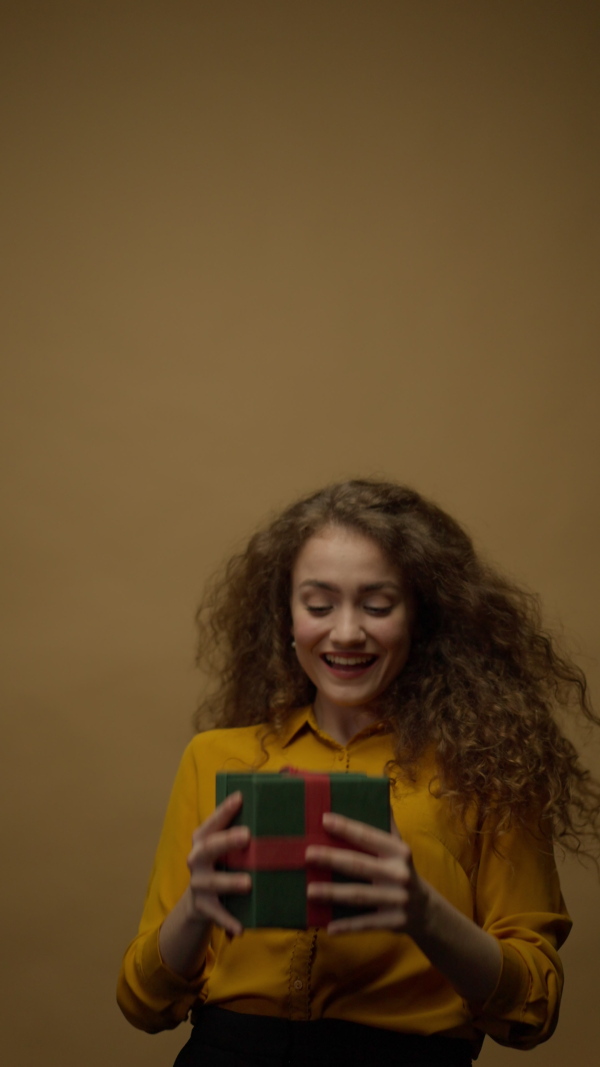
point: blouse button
(297, 984)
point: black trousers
(223, 1038)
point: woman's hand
(184, 933)
(395, 893)
(468, 956)
(212, 840)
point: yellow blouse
(378, 978)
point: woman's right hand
(184, 934)
(212, 840)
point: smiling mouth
(349, 662)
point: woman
(359, 631)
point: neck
(342, 724)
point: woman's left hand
(469, 957)
(392, 889)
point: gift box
(284, 813)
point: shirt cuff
(158, 979)
(512, 987)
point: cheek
(396, 638)
(306, 630)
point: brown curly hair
(484, 681)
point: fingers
(387, 905)
(220, 883)
(214, 837)
(221, 816)
(210, 842)
(213, 911)
(383, 855)
(378, 842)
(207, 850)
(382, 875)
(359, 895)
(359, 865)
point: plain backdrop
(249, 248)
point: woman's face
(351, 618)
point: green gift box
(284, 814)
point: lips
(348, 659)
(350, 663)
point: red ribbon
(288, 853)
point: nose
(347, 630)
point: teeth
(349, 661)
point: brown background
(248, 248)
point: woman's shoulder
(236, 746)
(246, 747)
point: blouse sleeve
(150, 995)
(518, 900)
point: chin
(351, 700)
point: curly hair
(484, 682)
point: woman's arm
(184, 934)
(465, 954)
(162, 973)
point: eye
(372, 610)
(318, 609)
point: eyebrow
(369, 587)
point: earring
(293, 643)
